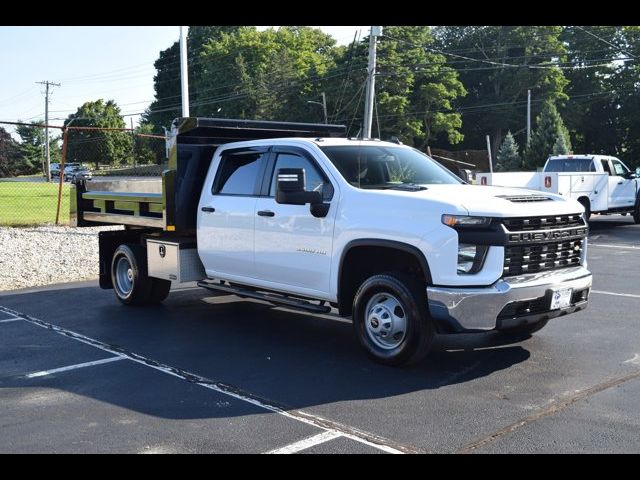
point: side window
(314, 180)
(605, 166)
(238, 173)
(619, 168)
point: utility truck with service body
(299, 216)
(602, 184)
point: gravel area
(30, 257)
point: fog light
(466, 257)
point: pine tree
(560, 147)
(508, 157)
(549, 127)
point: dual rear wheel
(131, 283)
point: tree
(593, 113)
(98, 146)
(147, 150)
(561, 147)
(508, 156)
(549, 127)
(495, 66)
(415, 89)
(240, 72)
(32, 149)
(9, 155)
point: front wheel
(636, 211)
(391, 319)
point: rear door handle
(208, 209)
(266, 213)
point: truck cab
(369, 230)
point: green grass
(32, 203)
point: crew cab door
(226, 214)
(293, 248)
(622, 190)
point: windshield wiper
(408, 187)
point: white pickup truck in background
(602, 184)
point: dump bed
(170, 203)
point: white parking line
(44, 373)
(616, 294)
(307, 443)
(324, 424)
(627, 247)
(7, 320)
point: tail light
(547, 182)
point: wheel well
(362, 261)
(108, 242)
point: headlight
(464, 221)
(470, 257)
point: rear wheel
(636, 210)
(391, 319)
(131, 283)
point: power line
(605, 41)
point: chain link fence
(27, 197)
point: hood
(496, 201)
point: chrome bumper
(468, 308)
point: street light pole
(323, 105)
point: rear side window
(570, 165)
(238, 173)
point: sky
(90, 63)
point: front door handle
(208, 209)
(266, 213)
(620, 182)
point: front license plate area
(561, 298)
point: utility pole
(323, 104)
(528, 116)
(47, 84)
(324, 107)
(184, 73)
(489, 153)
(371, 82)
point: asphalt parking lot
(215, 374)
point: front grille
(541, 257)
(543, 223)
(525, 198)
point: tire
(587, 207)
(636, 211)
(159, 290)
(402, 299)
(131, 283)
(524, 330)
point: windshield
(380, 167)
(570, 165)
